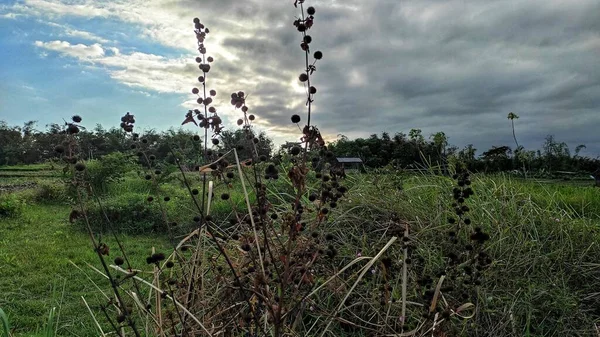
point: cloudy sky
(458, 66)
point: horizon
(478, 152)
(458, 67)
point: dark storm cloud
(457, 67)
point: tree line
(404, 151)
(28, 145)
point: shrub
(108, 169)
(50, 192)
(11, 205)
(127, 213)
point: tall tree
(239, 139)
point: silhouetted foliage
(414, 151)
(27, 145)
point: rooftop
(348, 160)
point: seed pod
(72, 129)
(195, 91)
(295, 119)
(303, 77)
(318, 55)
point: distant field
(25, 168)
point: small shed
(596, 176)
(350, 163)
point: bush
(108, 169)
(128, 213)
(50, 192)
(11, 205)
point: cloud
(139, 70)
(60, 8)
(80, 51)
(453, 66)
(12, 16)
(67, 31)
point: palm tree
(512, 116)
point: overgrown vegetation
(209, 234)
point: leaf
(4, 324)
(189, 118)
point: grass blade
(5, 324)
(49, 329)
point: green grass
(28, 174)
(544, 240)
(31, 167)
(20, 174)
(36, 275)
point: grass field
(36, 256)
(545, 241)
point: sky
(457, 66)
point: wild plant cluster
(264, 269)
